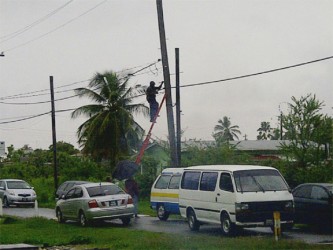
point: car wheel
(5, 202)
(228, 228)
(161, 213)
(82, 219)
(60, 218)
(193, 223)
(126, 221)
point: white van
(234, 196)
(164, 196)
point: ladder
(146, 141)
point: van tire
(193, 223)
(228, 228)
(161, 213)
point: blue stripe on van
(170, 207)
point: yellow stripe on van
(164, 195)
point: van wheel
(161, 213)
(193, 223)
(228, 228)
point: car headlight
(12, 193)
(241, 207)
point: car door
(302, 199)
(320, 205)
(66, 204)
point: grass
(44, 232)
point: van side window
(190, 180)
(208, 181)
(226, 182)
(163, 182)
(174, 182)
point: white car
(95, 201)
(16, 192)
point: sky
(72, 40)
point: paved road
(180, 226)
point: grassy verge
(43, 232)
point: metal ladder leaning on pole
(146, 141)
(125, 169)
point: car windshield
(18, 185)
(259, 180)
(102, 190)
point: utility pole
(54, 140)
(166, 74)
(178, 111)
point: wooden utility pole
(178, 111)
(166, 74)
(54, 140)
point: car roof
(173, 171)
(316, 184)
(12, 180)
(94, 184)
(230, 168)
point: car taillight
(92, 204)
(130, 200)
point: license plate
(112, 203)
(24, 199)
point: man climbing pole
(151, 98)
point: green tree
(110, 121)
(264, 131)
(308, 131)
(225, 132)
(65, 147)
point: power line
(57, 28)
(33, 93)
(27, 118)
(260, 73)
(189, 85)
(26, 28)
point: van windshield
(259, 180)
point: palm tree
(110, 124)
(224, 132)
(264, 131)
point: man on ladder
(151, 98)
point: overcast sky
(217, 39)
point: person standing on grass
(131, 187)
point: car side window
(318, 193)
(190, 180)
(226, 182)
(208, 181)
(2, 184)
(70, 194)
(174, 182)
(303, 192)
(78, 193)
(163, 182)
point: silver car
(16, 192)
(95, 201)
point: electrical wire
(30, 26)
(190, 85)
(255, 74)
(57, 28)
